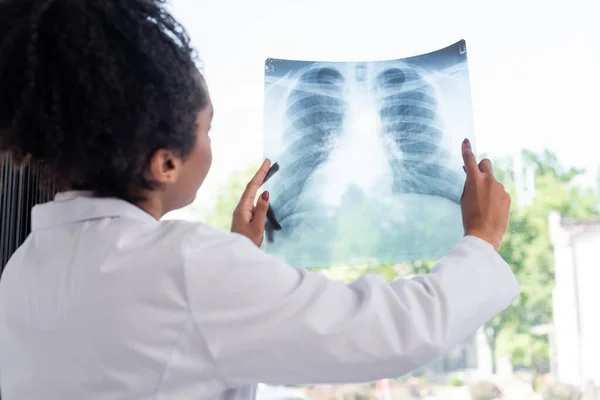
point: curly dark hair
(92, 88)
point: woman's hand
(485, 202)
(248, 219)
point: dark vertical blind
(20, 189)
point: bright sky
(534, 65)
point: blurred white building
(576, 300)
(266, 392)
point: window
(534, 78)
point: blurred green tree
(228, 198)
(528, 250)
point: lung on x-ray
(369, 156)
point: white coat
(104, 302)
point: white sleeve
(265, 321)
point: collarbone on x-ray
(366, 130)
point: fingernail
(265, 196)
(466, 142)
(464, 169)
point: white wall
(576, 301)
(587, 255)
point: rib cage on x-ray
(409, 114)
(369, 158)
(315, 114)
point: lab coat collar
(77, 206)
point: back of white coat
(104, 302)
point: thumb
(260, 211)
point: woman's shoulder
(179, 227)
(202, 249)
(198, 237)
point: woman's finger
(471, 167)
(274, 168)
(252, 188)
(485, 166)
(260, 211)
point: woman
(106, 301)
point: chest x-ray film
(369, 154)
